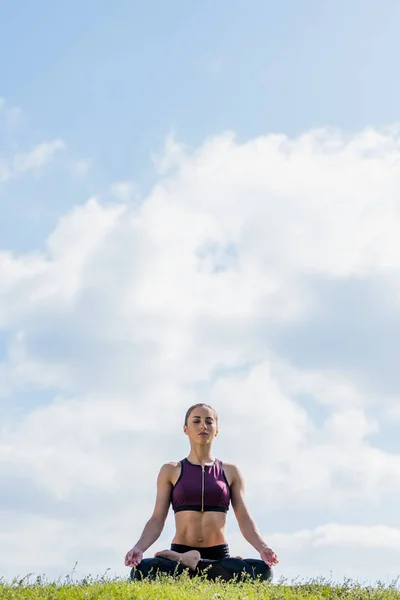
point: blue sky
(199, 201)
(114, 80)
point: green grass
(184, 588)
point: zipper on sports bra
(202, 490)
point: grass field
(185, 588)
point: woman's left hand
(269, 556)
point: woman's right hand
(134, 557)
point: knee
(248, 567)
(259, 569)
(148, 568)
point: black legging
(225, 568)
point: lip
(203, 433)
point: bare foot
(189, 559)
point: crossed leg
(174, 563)
(189, 558)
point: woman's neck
(200, 456)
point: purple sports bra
(201, 488)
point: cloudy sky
(200, 202)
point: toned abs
(199, 529)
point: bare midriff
(200, 529)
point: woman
(200, 489)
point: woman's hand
(134, 557)
(268, 556)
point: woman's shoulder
(171, 471)
(171, 466)
(229, 465)
(231, 470)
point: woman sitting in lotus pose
(200, 489)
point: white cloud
(80, 168)
(174, 153)
(38, 157)
(335, 534)
(132, 313)
(44, 558)
(33, 160)
(11, 115)
(124, 190)
(393, 409)
(337, 552)
(378, 536)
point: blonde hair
(196, 406)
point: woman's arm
(246, 524)
(155, 524)
(151, 532)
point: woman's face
(201, 425)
